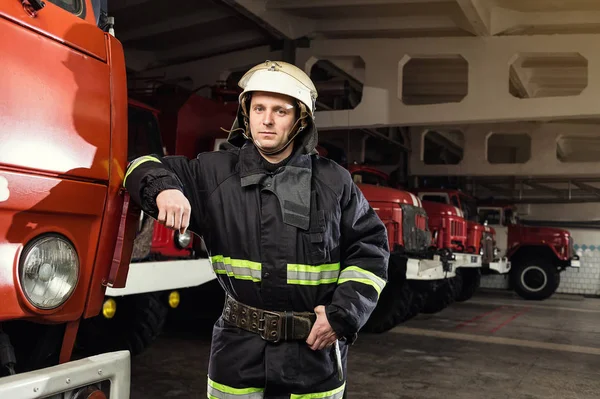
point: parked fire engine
(416, 267)
(538, 254)
(67, 226)
(473, 245)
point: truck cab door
(56, 84)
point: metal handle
(31, 7)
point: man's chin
(267, 145)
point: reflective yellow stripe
(220, 391)
(137, 163)
(337, 393)
(237, 268)
(313, 275)
(355, 273)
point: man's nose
(268, 118)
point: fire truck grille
(416, 235)
(487, 244)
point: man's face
(272, 116)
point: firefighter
(301, 255)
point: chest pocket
(313, 240)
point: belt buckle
(269, 326)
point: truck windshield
(369, 178)
(441, 199)
(72, 6)
(143, 134)
(469, 208)
(492, 216)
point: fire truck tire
(138, 321)
(471, 280)
(417, 302)
(443, 296)
(535, 279)
(394, 302)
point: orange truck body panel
(63, 150)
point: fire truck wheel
(138, 321)
(443, 296)
(394, 301)
(417, 302)
(471, 280)
(535, 279)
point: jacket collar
(291, 183)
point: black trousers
(242, 363)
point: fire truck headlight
(48, 271)
(183, 240)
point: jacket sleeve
(364, 263)
(147, 176)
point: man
(301, 255)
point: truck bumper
(502, 266)
(466, 260)
(427, 269)
(68, 378)
(164, 275)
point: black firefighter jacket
(291, 239)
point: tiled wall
(585, 280)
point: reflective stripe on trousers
(337, 393)
(220, 391)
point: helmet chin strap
(279, 149)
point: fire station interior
(480, 112)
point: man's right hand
(174, 210)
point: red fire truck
(538, 254)
(67, 227)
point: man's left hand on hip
(321, 334)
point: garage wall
(585, 280)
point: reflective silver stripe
(237, 268)
(355, 273)
(313, 275)
(337, 393)
(220, 391)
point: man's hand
(321, 335)
(174, 210)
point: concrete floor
(493, 346)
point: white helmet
(283, 78)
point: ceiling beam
(588, 188)
(226, 43)
(168, 25)
(278, 22)
(477, 14)
(541, 187)
(504, 21)
(427, 22)
(307, 4)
